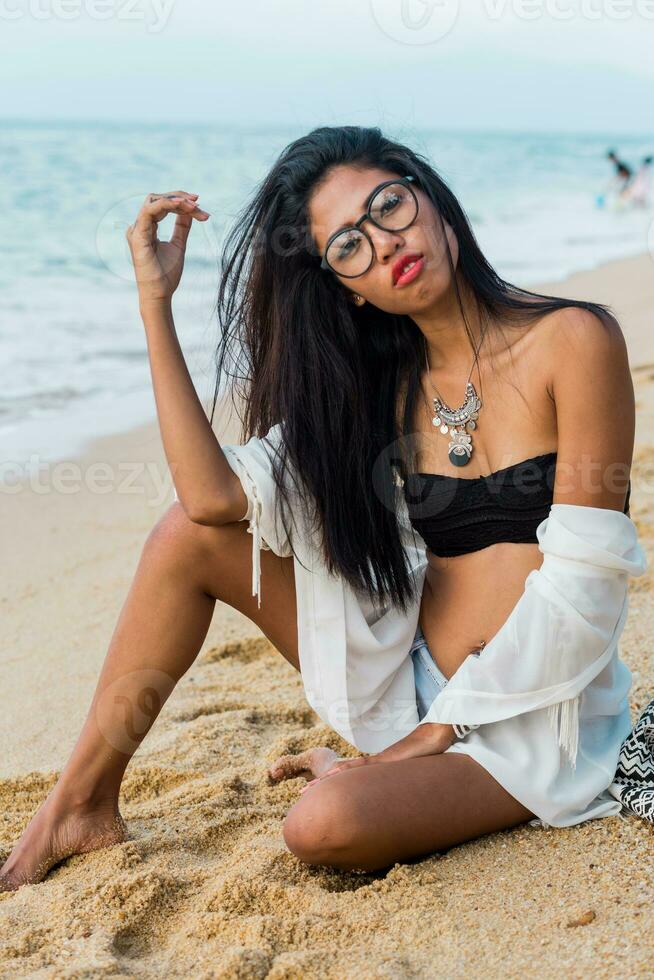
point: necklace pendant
(460, 449)
(456, 421)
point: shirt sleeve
(253, 464)
(560, 634)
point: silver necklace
(455, 421)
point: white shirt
(549, 690)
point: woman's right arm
(207, 487)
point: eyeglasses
(393, 206)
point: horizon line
(268, 126)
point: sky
(526, 65)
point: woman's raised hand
(158, 265)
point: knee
(323, 827)
(176, 537)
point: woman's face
(339, 201)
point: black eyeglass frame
(367, 215)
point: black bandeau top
(457, 515)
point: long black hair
(342, 380)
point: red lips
(403, 261)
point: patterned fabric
(633, 784)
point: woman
(353, 298)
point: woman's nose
(386, 243)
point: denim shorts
(430, 680)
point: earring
(357, 298)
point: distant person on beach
(623, 172)
(457, 634)
(639, 189)
(617, 189)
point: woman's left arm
(593, 394)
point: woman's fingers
(181, 230)
(340, 766)
(349, 764)
(170, 195)
(157, 206)
(155, 210)
(142, 235)
(158, 265)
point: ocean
(72, 346)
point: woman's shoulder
(579, 331)
(579, 344)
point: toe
(286, 767)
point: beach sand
(205, 886)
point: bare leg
(183, 569)
(372, 816)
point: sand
(205, 886)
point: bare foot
(311, 763)
(56, 831)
